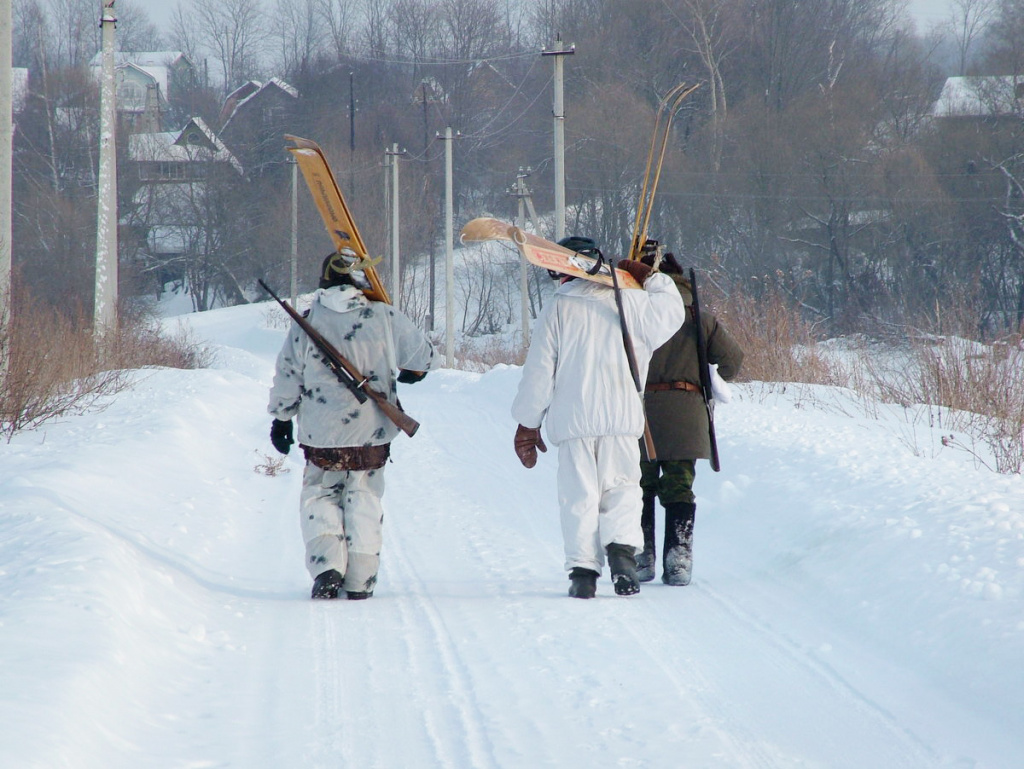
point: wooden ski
(544, 253)
(652, 175)
(332, 207)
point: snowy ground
(855, 604)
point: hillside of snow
(858, 595)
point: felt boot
(645, 562)
(678, 556)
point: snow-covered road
(856, 603)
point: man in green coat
(679, 426)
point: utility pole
(6, 169)
(559, 52)
(295, 230)
(525, 202)
(351, 133)
(396, 276)
(105, 301)
(428, 195)
(449, 250)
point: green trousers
(670, 480)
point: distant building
(255, 118)
(993, 97)
(169, 206)
(146, 81)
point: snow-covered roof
(19, 88)
(274, 82)
(980, 96)
(142, 58)
(174, 147)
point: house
(175, 169)
(176, 156)
(146, 83)
(981, 97)
(255, 119)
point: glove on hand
(527, 442)
(407, 376)
(281, 435)
(636, 268)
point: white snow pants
(341, 518)
(599, 497)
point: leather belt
(658, 387)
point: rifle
(705, 372)
(627, 342)
(347, 373)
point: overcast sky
(926, 12)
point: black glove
(407, 376)
(636, 268)
(527, 442)
(281, 435)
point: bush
(53, 367)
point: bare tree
(339, 17)
(968, 20)
(469, 28)
(299, 35)
(28, 31)
(135, 29)
(72, 32)
(234, 31)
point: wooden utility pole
(105, 296)
(559, 52)
(525, 203)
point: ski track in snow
(193, 642)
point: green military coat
(677, 418)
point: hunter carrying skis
(576, 379)
(346, 442)
(679, 427)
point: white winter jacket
(376, 338)
(576, 377)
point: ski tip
(485, 228)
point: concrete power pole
(295, 231)
(559, 52)
(449, 251)
(396, 275)
(105, 297)
(6, 168)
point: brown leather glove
(527, 442)
(636, 268)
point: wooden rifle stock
(347, 373)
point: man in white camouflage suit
(346, 443)
(576, 381)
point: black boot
(366, 592)
(583, 583)
(678, 556)
(622, 565)
(646, 560)
(327, 584)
